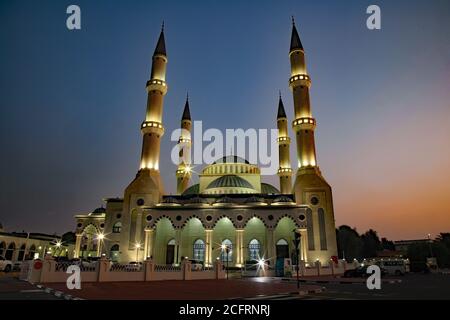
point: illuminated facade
(230, 207)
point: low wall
(49, 271)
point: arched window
(21, 253)
(227, 251)
(32, 251)
(254, 248)
(199, 250)
(10, 251)
(114, 252)
(117, 227)
(2, 249)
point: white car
(5, 265)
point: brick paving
(181, 290)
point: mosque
(230, 214)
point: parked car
(396, 267)
(134, 266)
(196, 265)
(361, 272)
(5, 265)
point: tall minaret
(152, 128)
(310, 187)
(284, 171)
(184, 168)
(146, 189)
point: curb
(58, 294)
(339, 282)
(304, 293)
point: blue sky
(72, 101)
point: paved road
(412, 287)
(13, 289)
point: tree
(349, 243)
(68, 237)
(387, 244)
(371, 244)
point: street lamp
(100, 238)
(429, 244)
(297, 237)
(138, 246)
(227, 251)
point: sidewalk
(337, 279)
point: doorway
(170, 252)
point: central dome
(230, 181)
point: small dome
(254, 199)
(268, 189)
(170, 200)
(230, 181)
(231, 159)
(194, 189)
(224, 200)
(98, 211)
(198, 200)
(283, 199)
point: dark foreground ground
(412, 286)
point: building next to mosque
(230, 208)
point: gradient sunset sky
(72, 101)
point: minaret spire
(186, 111)
(296, 44)
(281, 111)
(160, 48)
(284, 170)
(184, 172)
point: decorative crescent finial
(162, 26)
(279, 93)
(187, 95)
(293, 20)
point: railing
(125, 267)
(167, 268)
(196, 268)
(84, 266)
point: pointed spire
(295, 39)
(186, 112)
(161, 45)
(281, 112)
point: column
(77, 246)
(303, 245)
(208, 246)
(239, 247)
(270, 250)
(148, 244)
(177, 246)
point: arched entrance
(170, 252)
(282, 249)
(164, 233)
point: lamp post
(297, 237)
(227, 251)
(138, 245)
(100, 238)
(429, 244)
